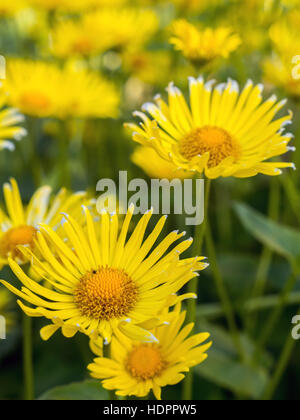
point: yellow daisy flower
(203, 45)
(33, 87)
(19, 225)
(223, 133)
(72, 38)
(97, 32)
(136, 368)
(103, 282)
(155, 166)
(9, 120)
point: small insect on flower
(19, 226)
(223, 133)
(104, 283)
(202, 46)
(137, 368)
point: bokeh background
(255, 221)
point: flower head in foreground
(9, 120)
(203, 45)
(105, 29)
(223, 133)
(19, 225)
(33, 87)
(137, 368)
(103, 282)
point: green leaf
(223, 368)
(84, 391)
(226, 372)
(281, 239)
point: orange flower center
(145, 361)
(34, 102)
(82, 46)
(21, 235)
(106, 294)
(214, 140)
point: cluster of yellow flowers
(115, 289)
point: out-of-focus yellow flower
(151, 67)
(10, 8)
(44, 90)
(19, 226)
(71, 38)
(289, 3)
(251, 19)
(9, 120)
(223, 133)
(280, 72)
(194, 5)
(33, 24)
(6, 301)
(283, 68)
(137, 368)
(155, 166)
(285, 36)
(105, 282)
(203, 45)
(73, 5)
(105, 29)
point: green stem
(35, 161)
(275, 314)
(222, 292)
(64, 157)
(197, 250)
(193, 287)
(27, 358)
(106, 353)
(280, 367)
(292, 194)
